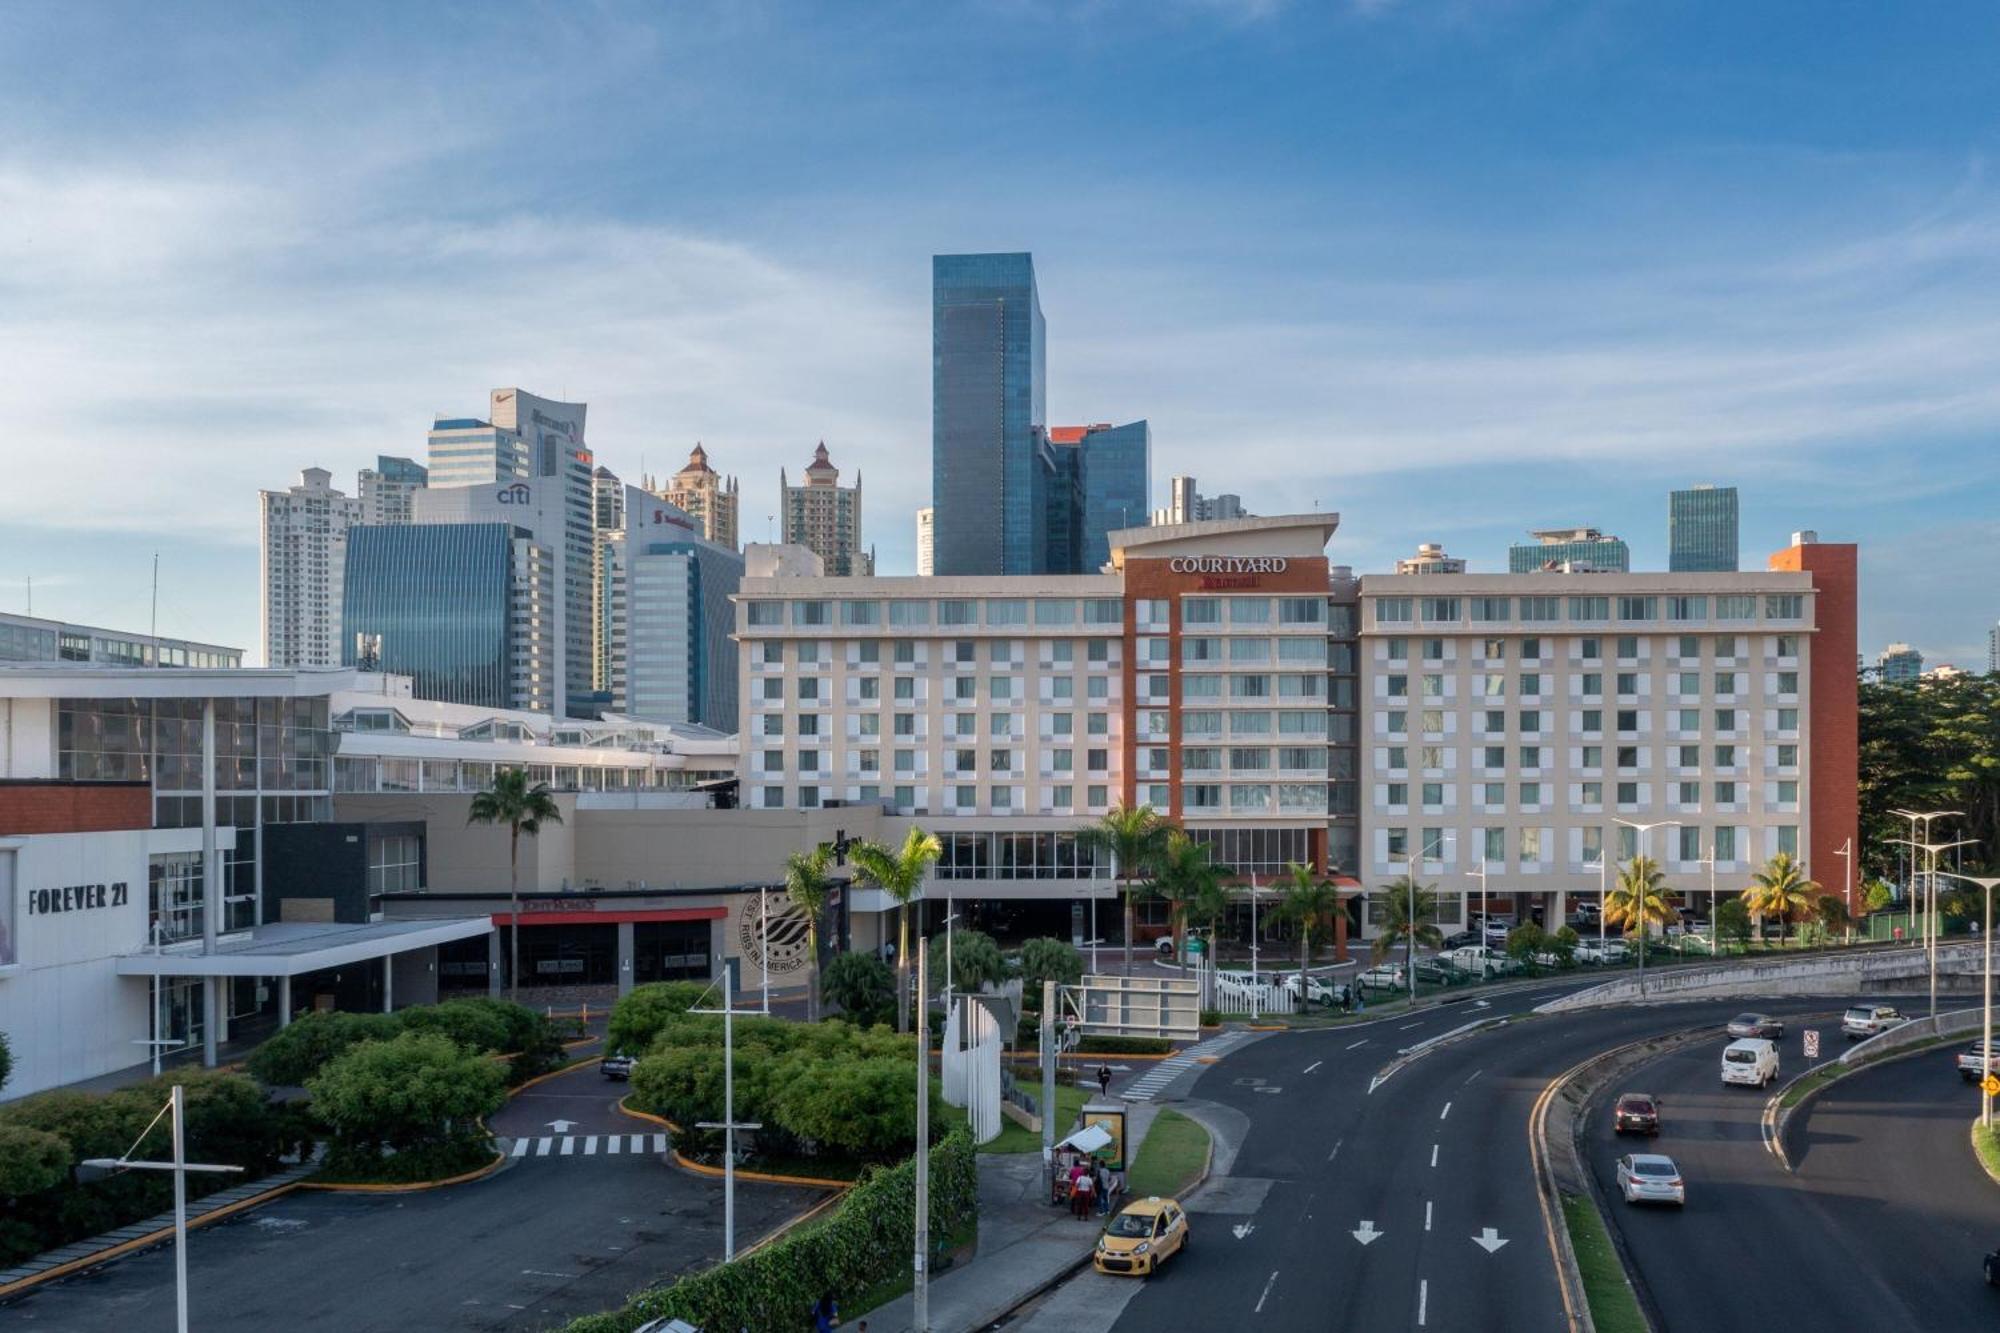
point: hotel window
(1201, 611)
(1788, 719)
(869, 652)
(1592, 756)
(1099, 687)
(1628, 793)
(1628, 647)
(1531, 650)
(1396, 842)
(1250, 796)
(1688, 647)
(860, 613)
(1196, 687)
(1249, 760)
(1689, 682)
(1687, 719)
(1725, 844)
(1062, 689)
(965, 689)
(1590, 608)
(1061, 796)
(966, 798)
(1593, 845)
(1788, 682)
(1784, 606)
(1690, 839)
(906, 689)
(906, 724)
(1593, 684)
(1249, 610)
(1788, 792)
(1252, 650)
(1433, 650)
(1098, 796)
(1097, 760)
(1301, 611)
(1202, 722)
(808, 652)
(809, 761)
(1531, 844)
(1295, 757)
(909, 613)
(1097, 724)
(1392, 610)
(906, 654)
(767, 613)
(871, 761)
(1433, 721)
(1055, 611)
(1788, 839)
(773, 652)
(1003, 724)
(1006, 611)
(870, 723)
(1687, 756)
(1103, 611)
(1002, 761)
(906, 761)
(1531, 721)
(1440, 610)
(1003, 652)
(1531, 793)
(1433, 793)
(1725, 719)
(1590, 649)
(1725, 756)
(964, 652)
(1493, 846)
(1201, 650)
(965, 761)
(1725, 683)
(1398, 758)
(1202, 796)
(1733, 606)
(1433, 687)
(1541, 609)
(1593, 720)
(1252, 724)
(1725, 793)
(1433, 844)
(1593, 793)
(1628, 682)
(774, 724)
(1725, 646)
(1097, 651)
(812, 613)
(1301, 649)
(1531, 684)
(1492, 608)
(774, 798)
(1397, 721)
(1687, 608)
(1494, 650)
(774, 688)
(1493, 794)
(1788, 645)
(1788, 756)
(1531, 756)
(1638, 608)
(958, 612)
(1202, 759)
(1001, 687)
(1688, 794)
(1493, 757)
(1494, 687)
(1496, 721)
(1628, 719)
(1628, 756)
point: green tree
(1135, 838)
(899, 873)
(1876, 895)
(299, 1050)
(645, 1012)
(1563, 945)
(420, 1090)
(808, 885)
(975, 960)
(861, 986)
(523, 808)
(1930, 746)
(1779, 889)
(1047, 959)
(1311, 902)
(1186, 879)
(1404, 920)
(1732, 922)
(1526, 941)
(1639, 902)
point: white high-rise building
(926, 542)
(387, 487)
(1186, 504)
(304, 554)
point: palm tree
(1640, 900)
(522, 808)
(807, 885)
(1401, 923)
(1188, 881)
(1779, 889)
(1136, 839)
(1311, 902)
(900, 874)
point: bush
(1525, 941)
(415, 1091)
(31, 1160)
(229, 1120)
(1563, 944)
(476, 1024)
(865, 1241)
(1047, 960)
(6, 1060)
(861, 986)
(298, 1051)
(1108, 1045)
(641, 1015)
(1732, 921)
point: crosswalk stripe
(521, 1147)
(543, 1144)
(613, 1142)
(638, 1143)
(569, 1145)
(659, 1143)
(590, 1145)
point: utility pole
(1986, 1003)
(921, 1290)
(728, 1124)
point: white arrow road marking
(1366, 1232)
(1489, 1240)
(562, 1126)
(1243, 1229)
(1482, 1004)
(1269, 1283)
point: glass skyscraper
(1117, 487)
(466, 609)
(991, 468)
(1701, 530)
(1576, 548)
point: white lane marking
(1473, 1075)
(568, 1145)
(1359, 1044)
(590, 1146)
(1434, 1154)
(613, 1142)
(1269, 1283)
(543, 1272)
(521, 1147)
(1314, 1065)
(542, 1145)
(1407, 1026)
(1423, 1299)
(1446, 1112)
(1336, 1149)
(1427, 1214)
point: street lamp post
(1410, 923)
(764, 944)
(1925, 817)
(1987, 999)
(1602, 895)
(1255, 1006)
(1931, 850)
(728, 1124)
(1846, 854)
(920, 1269)
(177, 1107)
(1464, 916)
(1644, 829)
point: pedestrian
(1104, 1080)
(1103, 1190)
(826, 1314)
(1117, 1186)
(1081, 1190)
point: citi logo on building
(517, 494)
(1227, 564)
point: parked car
(1382, 976)
(1752, 1061)
(1484, 961)
(1974, 1063)
(616, 1065)
(1144, 1235)
(1636, 1113)
(1868, 1020)
(1606, 951)
(1441, 972)
(1496, 929)
(1646, 1177)
(1756, 1025)
(1249, 987)
(1317, 990)
(1461, 939)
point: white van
(1752, 1060)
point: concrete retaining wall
(1859, 973)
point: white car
(1382, 976)
(1975, 1064)
(1650, 1177)
(1317, 990)
(1868, 1020)
(1247, 987)
(1610, 951)
(1752, 1061)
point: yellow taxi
(1144, 1234)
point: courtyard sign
(1227, 564)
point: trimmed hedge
(491, 1027)
(865, 1241)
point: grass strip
(1613, 1307)
(1986, 1143)
(1019, 1138)
(1170, 1159)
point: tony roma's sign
(76, 898)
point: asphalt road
(1885, 1220)
(544, 1240)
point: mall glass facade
(1701, 530)
(988, 416)
(433, 601)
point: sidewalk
(1026, 1244)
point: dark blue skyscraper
(991, 469)
(1117, 486)
(1701, 529)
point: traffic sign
(1991, 1087)
(1812, 1044)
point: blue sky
(1455, 270)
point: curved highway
(1884, 1221)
